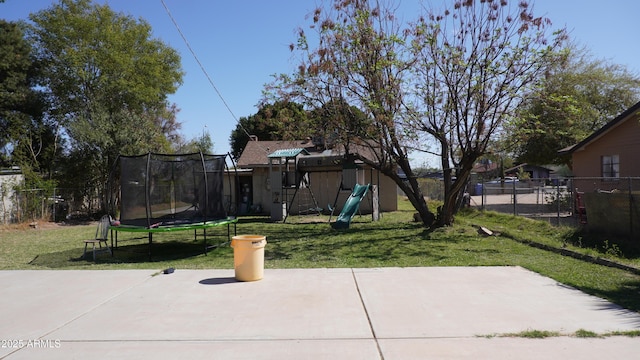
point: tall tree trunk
(415, 196)
(454, 190)
(414, 193)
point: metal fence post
(630, 207)
(53, 210)
(482, 195)
(515, 199)
(558, 197)
(572, 202)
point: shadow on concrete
(218, 281)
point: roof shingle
(256, 152)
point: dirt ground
(40, 225)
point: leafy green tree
(25, 137)
(573, 100)
(338, 124)
(202, 144)
(109, 80)
(277, 121)
(169, 126)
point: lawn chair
(102, 235)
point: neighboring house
(534, 171)
(609, 153)
(482, 171)
(9, 178)
(604, 165)
(485, 170)
(323, 174)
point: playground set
(290, 170)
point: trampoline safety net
(159, 189)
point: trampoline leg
(150, 241)
(204, 234)
(229, 231)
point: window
(611, 166)
(349, 178)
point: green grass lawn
(309, 242)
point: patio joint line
(364, 306)
(107, 300)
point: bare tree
(475, 63)
(453, 78)
(360, 60)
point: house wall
(324, 186)
(624, 141)
(261, 189)
(7, 196)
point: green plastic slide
(350, 207)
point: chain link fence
(597, 204)
(607, 205)
(542, 199)
(432, 189)
(58, 204)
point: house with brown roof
(606, 170)
(610, 153)
(309, 179)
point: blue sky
(241, 43)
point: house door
(246, 194)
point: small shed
(9, 179)
(534, 171)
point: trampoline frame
(202, 223)
(171, 228)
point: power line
(193, 53)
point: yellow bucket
(248, 256)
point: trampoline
(165, 193)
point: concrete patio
(381, 313)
